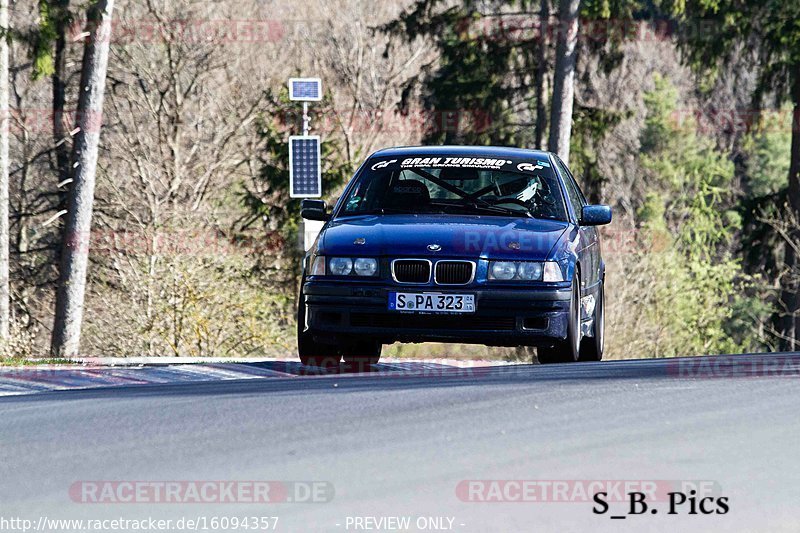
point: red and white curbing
(96, 372)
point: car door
(588, 248)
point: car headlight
(340, 266)
(345, 266)
(529, 271)
(503, 270)
(365, 266)
(524, 271)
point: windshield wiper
(498, 209)
(482, 206)
(388, 211)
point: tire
(592, 347)
(566, 351)
(362, 354)
(311, 352)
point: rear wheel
(592, 347)
(566, 351)
(311, 352)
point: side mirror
(314, 210)
(595, 215)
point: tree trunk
(5, 296)
(59, 83)
(564, 78)
(78, 221)
(541, 74)
(790, 295)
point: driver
(527, 194)
(534, 193)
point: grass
(23, 361)
(466, 352)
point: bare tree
(790, 296)
(366, 66)
(75, 245)
(4, 133)
(785, 223)
(179, 141)
(60, 14)
(541, 74)
(564, 78)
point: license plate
(431, 302)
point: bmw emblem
(434, 247)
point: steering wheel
(545, 199)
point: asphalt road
(397, 445)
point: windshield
(529, 190)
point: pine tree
(712, 32)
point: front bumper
(338, 312)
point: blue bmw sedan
(485, 245)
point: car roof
(469, 151)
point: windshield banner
(461, 162)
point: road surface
(391, 446)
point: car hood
(455, 236)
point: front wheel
(311, 352)
(566, 351)
(592, 347)
(362, 354)
(316, 354)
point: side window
(367, 193)
(577, 187)
(575, 196)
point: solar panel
(305, 89)
(305, 166)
